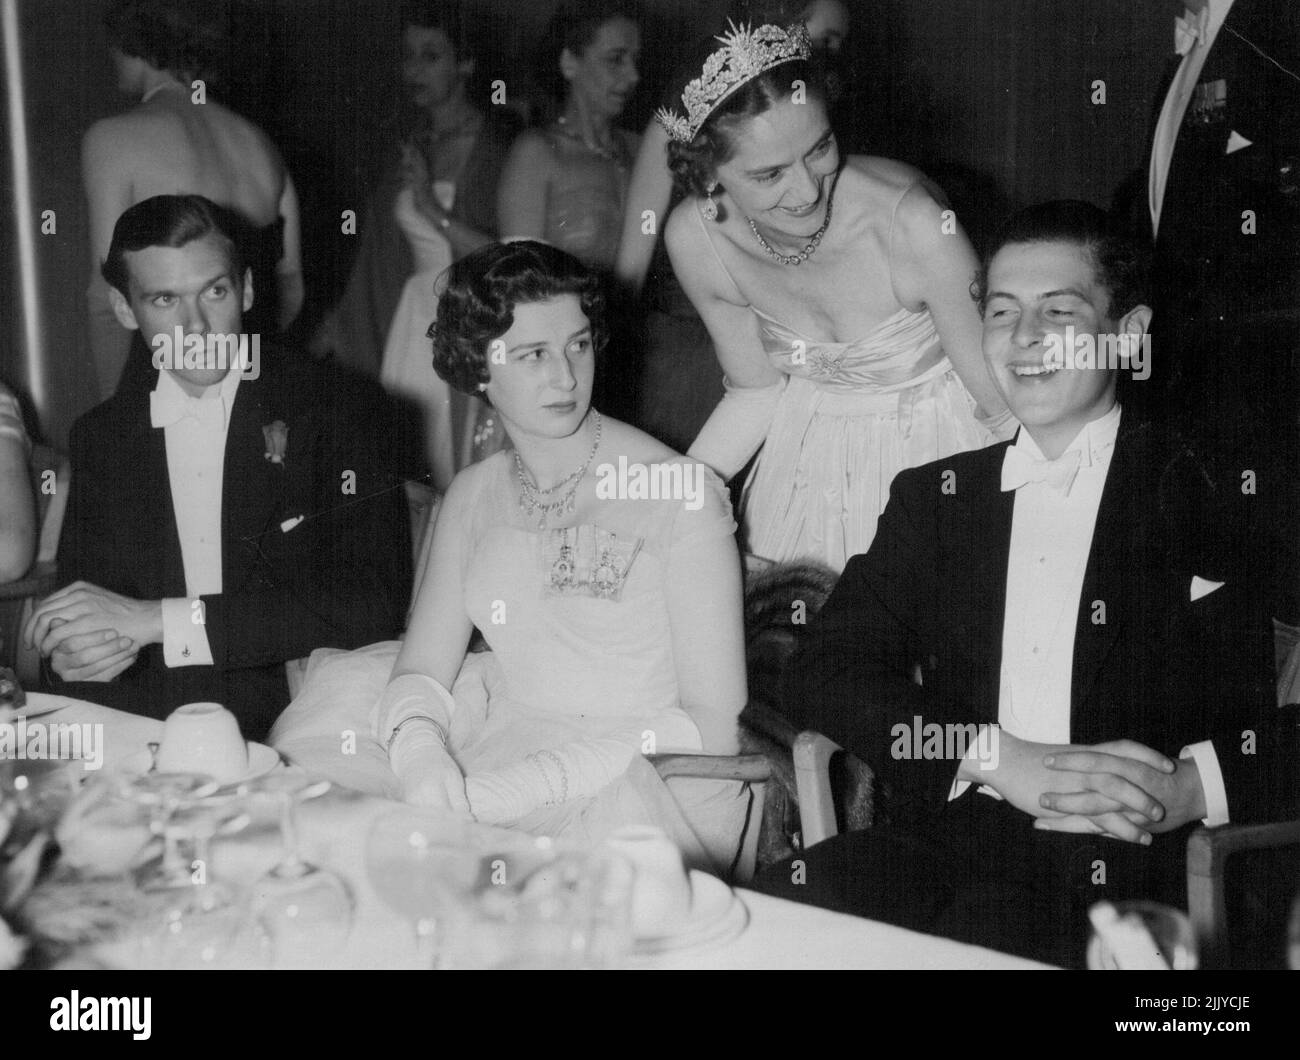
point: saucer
(717, 915)
(261, 760)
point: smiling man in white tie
(231, 518)
(1077, 591)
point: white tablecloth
(780, 934)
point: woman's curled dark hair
(481, 292)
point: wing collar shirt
(195, 432)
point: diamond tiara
(745, 54)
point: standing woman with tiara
(169, 144)
(679, 383)
(837, 295)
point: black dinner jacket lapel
(1110, 584)
(143, 496)
(979, 532)
(253, 488)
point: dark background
(994, 96)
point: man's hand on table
(1122, 788)
(92, 634)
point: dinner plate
(261, 760)
(717, 915)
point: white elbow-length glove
(737, 427)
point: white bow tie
(169, 407)
(1019, 469)
(1188, 30)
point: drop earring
(710, 208)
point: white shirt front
(1209, 20)
(1051, 536)
(195, 433)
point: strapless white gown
(459, 429)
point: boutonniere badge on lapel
(277, 444)
(277, 441)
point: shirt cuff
(1216, 795)
(185, 637)
(983, 751)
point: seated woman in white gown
(602, 570)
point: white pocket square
(1203, 587)
(1236, 142)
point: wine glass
(427, 868)
(557, 907)
(306, 909)
(203, 922)
(163, 795)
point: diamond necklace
(803, 255)
(532, 499)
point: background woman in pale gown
(614, 622)
(566, 182)
(17, 509)
(436, 203)
(837, 296)
(175, 142)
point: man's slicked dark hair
(172, 221)
(482, 291)
(1120, 259)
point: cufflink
(185, 652)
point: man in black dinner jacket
(1079, 609)
(1222, 202)
(238, 515)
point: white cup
(203, 738)
(661, 891)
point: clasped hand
(91, 634)
(1121, 788)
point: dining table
(776, 933)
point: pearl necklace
(532, 500)
(803, 255)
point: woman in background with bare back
(178, 140)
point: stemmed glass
(203, 922)
(307, 909)
(427, 868)
(163, 795)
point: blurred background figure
(565, 183)
(435, 204)
(1220, 195)
(178, 139)
(17, 510)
